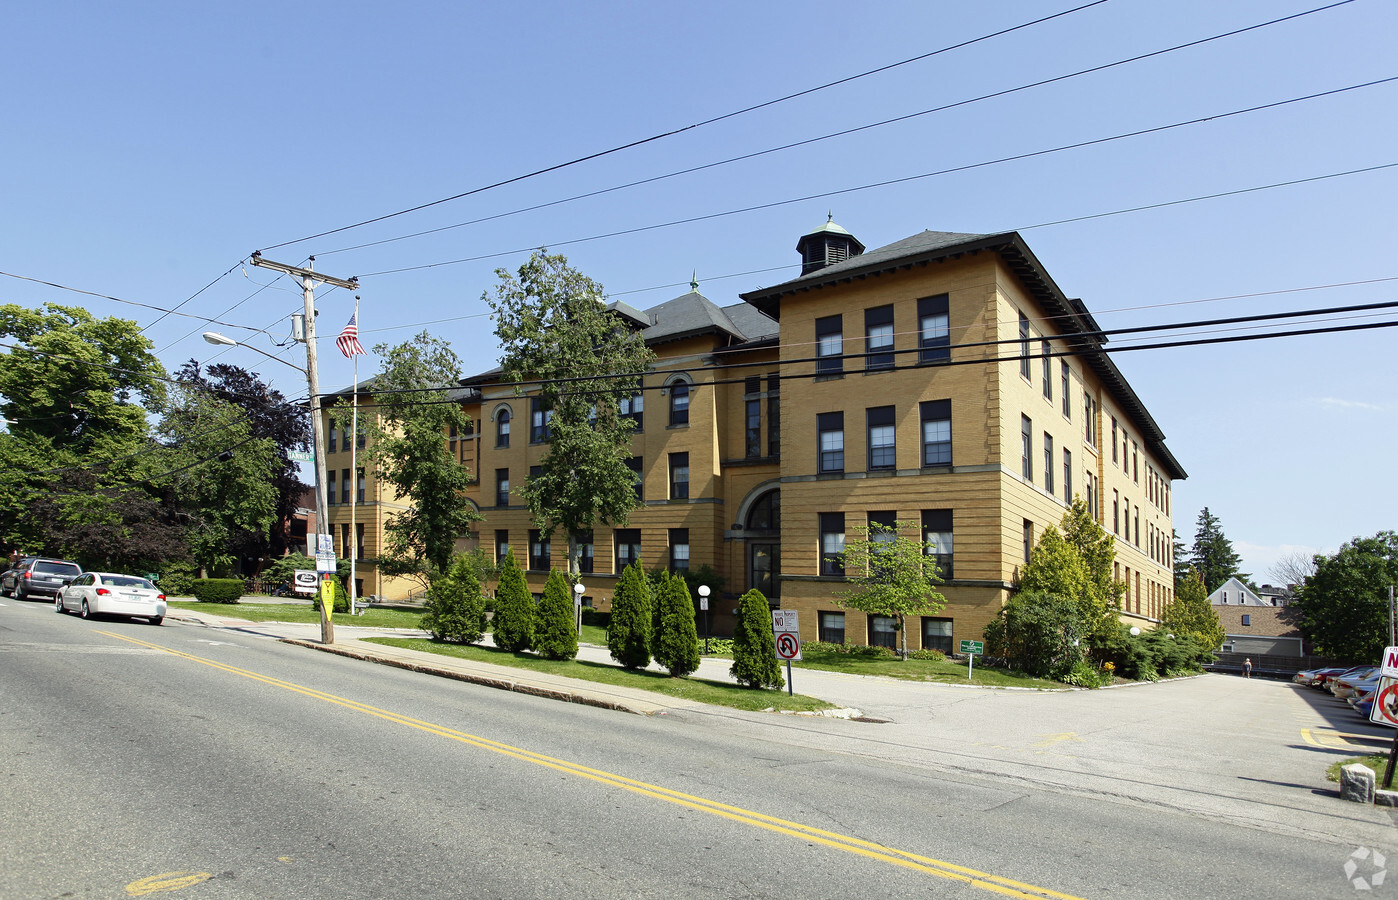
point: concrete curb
(519, 686)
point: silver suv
(40, 577)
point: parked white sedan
(93, 593)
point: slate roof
(932, 246)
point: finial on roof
(830, 216)
(694, 281)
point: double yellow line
(857, 846)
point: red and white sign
(1388, 668)
(787, 628)
(1385, 710)
(788, 646)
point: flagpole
(354, 474)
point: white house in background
(1234, 593)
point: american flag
(348, 341)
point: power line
(700, 124)
(173, 312)
(911, 178)
(845, 132)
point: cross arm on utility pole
(257, 260)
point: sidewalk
(350, 641)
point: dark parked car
(10, 577)
(41, 577)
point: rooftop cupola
(827, 245)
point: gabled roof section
(935, 246)
(693, 314)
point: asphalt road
(215, 765)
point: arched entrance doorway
(762, 528)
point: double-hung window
(539, 551)
(936, 432)
(502, 545)
(752, 434)
(345, 487)
(883, 534)
(1048, 462)
(1067, 476)
(633, 408)
(936, 634)
(679, 403)
(539, 419)
(502, 487)
(586, 553)
(1044, 350)
(330, 438)
(830, 345)
(830, 430)
(832, 543)
(1024, 345)
(628, 547)
(634, 464)
(933, 330)
(878, 338)
(774, 416)
(1026, 447)
(883, 443)
(832, 627)
(936, 534)
(1067, 388)
(679, 549)
(679, 476)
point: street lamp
(327, 628)
(704, 605)
(577, 605)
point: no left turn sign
(1385, 710)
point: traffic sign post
(1385, 712)
(787, 630)
(971, 648)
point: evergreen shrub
(755, 661)
(677, 640)
(456, 609)
(555, 632)
(217, 590)
(514, 609)
(629, 631)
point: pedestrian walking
(1247, 668)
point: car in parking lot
(1344, 685)
(40, 577)
(110, 593)
(1309, 677)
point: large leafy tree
(891, 574)
(75, 381)
(220, 476)
(1190, 613)
(1212, 554)
(1097, 550)
(409, 450)
(77, 455)
(1344, 605)
(556, 333)
(270, 416)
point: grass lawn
(944, 671)
(377, 617)
(1378, 762)
(698, 689)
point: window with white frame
(883, 442)
(830, 434)
(936, 432)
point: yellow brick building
(943, 379)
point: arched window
(679, 402)
(502, 427)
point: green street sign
(300, 456)
(973, 647)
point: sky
(150, 147)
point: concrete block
(1385, 798)
(1357, 783)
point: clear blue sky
(150, 147)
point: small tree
(677, 641)
(1191, 614)
(1041, 633)
(629, 630)
(514, 609)
(456, 609)
(892, 573)
(1097, 549)
(556, 634)
(755, 661)
(1213, 554)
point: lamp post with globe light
(704, 605)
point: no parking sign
(1385, 709)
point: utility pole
(308, 279)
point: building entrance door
(764, 564)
